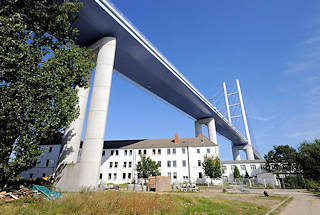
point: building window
(184, 163)
(43, 174)
(124, 176)
(199, 162)
(198, 151)
(115, 164)
(173, 151)
(153, 151)
(114, 176)
(111, 164)
(200, 174)
(139, 152)
(30, 176)
(183, 150)
(100, 176)
(185, 178)
(145, 152)
(117, 152)
(174, 163)
(47, 163)
(129, 175)
(208, 150)
(50, 149)
(243, 167)
(159, 163)
(103, 153)
(169, 174)
(139, 162)
(263, 166)
(125, 152)
(174, 175)
(130, 152)
(168, 151)
(253, 167)
(159, 151)
(109, 176)
(130, 164)
(112, 152)
(124, 164)
(169, 163)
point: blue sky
(272, 47)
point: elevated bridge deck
(139, 61)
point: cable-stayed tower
(231, 116)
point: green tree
(211, 167)
(282, 159)
(236, 173)
(309, 157)
(147, 167)
(40, 70)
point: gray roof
(200, 141)
(243, 161)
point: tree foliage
(147, 167)
(40, 70)
(282, 159)
(309, 157)
(236, 173)
(211, 167)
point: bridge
(120, 47)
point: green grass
(278, 210)
(272, 197)
(116, 202)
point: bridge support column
(249, 152)
(70, 147)
(247, 148)
(90, 161)
(212, 133)
(198, 128)
(236, 154)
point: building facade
(181, 159)
(252, 167)
(47, 163)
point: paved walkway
(303, 204)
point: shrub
(312, 184)
(269, 186)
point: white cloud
(262, 118)
(310, 41)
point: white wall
(47, 164)
(178, 157)
(253, 168)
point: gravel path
(303, 204)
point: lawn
(118, 202)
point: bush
(312, 184)
(294, 182)
(269, 186)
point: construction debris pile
(18, 192)
(15, 193)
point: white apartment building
(47, 164)
(181, 159)
(253, 167)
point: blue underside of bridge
(137, 60)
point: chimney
(176, 138)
